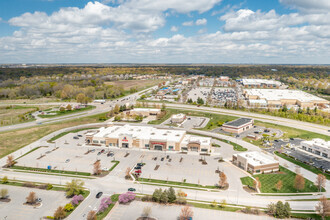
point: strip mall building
(145, 137)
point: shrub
(5, 179)
(68, 207)
(76, 199)
(146, 198)
(49, 217)
(181, 201)
(105, 202)
(126, 197)
(29, 184)
(247, 210)
(49, 186)
(43, 186)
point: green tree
(5, 179)
(75, 187)
(68, 207)
(81, 98)
(156, 195)
(171, 195)
(163, 197)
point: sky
(165, 31)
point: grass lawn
(268, 182)
(216, 120)
(50, 171)
(114, 199)
(67, 132)
(59, 113)
(293, 132)
(303, 165)
(209, 206)
(114, 166)
(16, 139)
(174, 183)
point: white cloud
(202, 21)
(202, 31)
(308, 5)
(174, 29)
(188, 23)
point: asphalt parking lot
(309, 158)
(15, 210)
(195, 122)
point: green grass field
(102, 215)
(59, 113)
(268, 182)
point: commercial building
(255, 162)
(178, 118)
(238, 126)
(145, 137)
(281, 97)
(263, 83)
(144, 111)
(317, 146)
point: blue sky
(165, 31)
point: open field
(138, 84)
(29, 101)
(268, 182)
(16, 139)
(17, 114)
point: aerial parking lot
(15, 209)
(69, 153)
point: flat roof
(257, 158)
(317, 142)
(198, 139)
(141, 132)
(280, 94)
(239, 122)
(260, 81)
(145, 109)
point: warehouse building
(145, 137)
(281, 97)
(264, 83)
(238, 126)
(255, 162)
(317, 146)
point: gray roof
(239, 122)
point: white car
(105, 169)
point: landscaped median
(269, 181)
(43, 170)
(177, 184)
(303, 165)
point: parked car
(276, 140)
(99, 194)
(291, 139)
(131, 189)
(162, 159)
(102, 151)
(39, 200)
(138, 171)
(110, 154)
(79, 135)
(75, 137)
(93, 150)
(67, 161)
(140, 164)
(137, 168)
(99, 153)
(105, 169)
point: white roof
(258, 101)
(260, 81)
(256, 158)
(141, 132)
(279, 94)
(191, 138)
(318, 143)
(145, 110)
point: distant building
(224, 78)
(144, 111)
(281, 97)
(255, 162)
(178, 118)
(264, 83)
(238, 126)
(317, 146)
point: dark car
(75, 137)
(291, 139)
(131, 189)
(137, 168)
(102, 151)
(99, 194)
(79, 135)
(168, 156)
(99, 153)
(276, 140)
(140, 164)
(110, 154)
(162, 159)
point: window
(110, 144)
(102, 142)
(257, 171)
(204, 149)
(325, 155)
(95, 142)
(170, 147)
(146, 146)
(184, 148)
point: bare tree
(91, 215)
(31, 198)
(97, 167)
(323, 207)
(59, 213)
(10, 161)
(146, 212)
(186, 212)
(257, 183)
(279, 185)
(223, 180)
(299, 182)
(320, 181)
(127, 173)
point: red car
(138, 171)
